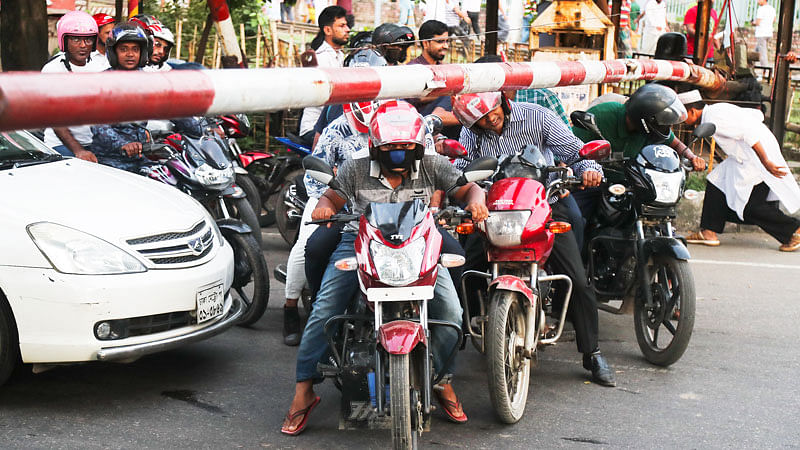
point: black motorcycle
(631, 252)
(200, 168)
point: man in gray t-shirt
(396, 170)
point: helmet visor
(673, 114)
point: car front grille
(181, 248)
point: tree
(23, 34)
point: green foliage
(242, 11)
(696, 181)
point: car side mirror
(704, 130)
(595, 150)
(586, 121)
(480, 169)
(319, 170)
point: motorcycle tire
(509, 372)
(240, 208)
(250, 280)
(403, 436)
(288, 228)
(251, 191)
(9, 346)
(673, 311)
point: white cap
(690, 97)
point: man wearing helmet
(163, 41)
(105, 24)
(77, 38)
(396, 169)
(494, 126)
(392, 41)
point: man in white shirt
(765, 18)
(333, 31)
(654, 22)
(77, 38)
(105, 23)
(753, 179)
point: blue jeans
(526, 29)
(63, 150)
(339, 287)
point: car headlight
(504, 228)
(668, 185)
(398, 266)
(76, 252)
(212, 177)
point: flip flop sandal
(447, 405)
(695, 237)
(303, 412)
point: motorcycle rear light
(559, 227)
(465, 228)
(347, 264)
(451, 260)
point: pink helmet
(397, 122)
(75, 23)
(470, 108)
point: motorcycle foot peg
(280, 273)
(327, 370)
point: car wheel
(9, 346)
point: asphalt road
(736, 386)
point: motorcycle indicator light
(347, 264)
(465, 228)
(617, 189)
(559, 227)
(451, 260)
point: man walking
(654, 22)
(765, 19)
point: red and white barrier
(222, 18)
(34, 100)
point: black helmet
(388, 34)
(671, 46)
(127, 33)
(365, 57)
(360, 39)
(654, 109)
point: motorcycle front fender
(664, 245)
(233, 226)
(400, 337)
(512, 283)
(234, 192)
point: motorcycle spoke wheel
(509, 369)
(663, 330)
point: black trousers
(565, 259)
(474, 17)
(758, 211)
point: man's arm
(698, 163)
(73, 145)
(475, 198)
(771, 167)
(328, 204)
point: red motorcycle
(511, 322)
(382, 339)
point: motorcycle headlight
(211, 177)
(398, 266)
(668, 185)
(504, 228)
(76, 252)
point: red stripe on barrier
(572, 72)
(453, 77)
(219, 10)
(518, 76)
(363, 85)
(32, 100)
(679, 70)
(649, 69)
(615, 71)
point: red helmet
(397, 122)
(103, 19)
(359, 114)
(470, 108)
(146, 22)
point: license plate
(210, 303)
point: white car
(100, 264)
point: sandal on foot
(448, 406)
(793, 243)
(696, 237)
(304, 413)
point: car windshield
(20, 148)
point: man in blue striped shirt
(494, 126)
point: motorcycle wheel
(288, 228)
(663, 332)
(240, 208)
(403, 436)
(250, 279)
(9, 347)
(509, 371)
(251, 191)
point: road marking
(747, 264)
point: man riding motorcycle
(161, 42)
(397, 169)
(494, 126)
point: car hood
(111, 204)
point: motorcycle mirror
(319, 170)
(451, 148)
(595, 150)
(585, 120)
(480, 169)
(434, 123)
(704, 130)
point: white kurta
(738, 129)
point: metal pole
(377, 20)
(616, 9)
(779, 102)
(491, 27)
(701, 30)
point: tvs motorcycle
(632, 254)
(510, 322)
(379, 347)
(200, 168)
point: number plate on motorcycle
(400, 294)
(210, 303)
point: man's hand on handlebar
(133, 149)
(478, 210)
(698, 164)
(591, 178)
(322, 213)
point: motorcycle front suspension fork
(644, 274)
